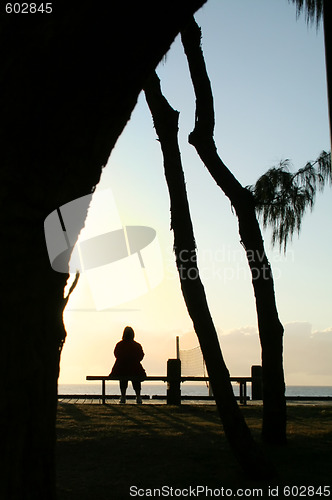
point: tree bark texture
(69, 82)
(166, 123)
(269, 326)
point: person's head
(128, 333)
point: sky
(267, 70)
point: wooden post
(103, 391)
(174, 382)
(256, 382)
(177, 348)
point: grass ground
(102, 450)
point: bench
(174, 380)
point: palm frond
(313, 9)
(324, 169)
(282, 197)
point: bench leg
(244, 393)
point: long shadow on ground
(103, 450)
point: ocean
(187, 389)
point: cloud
(241, 349)
(307, 355)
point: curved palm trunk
(166, 124)
(270, 328)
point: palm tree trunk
(30, 366)
(166, 124)
(270, 328)
(327, 13)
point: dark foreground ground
(116, 452)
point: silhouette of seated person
(127, 366)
